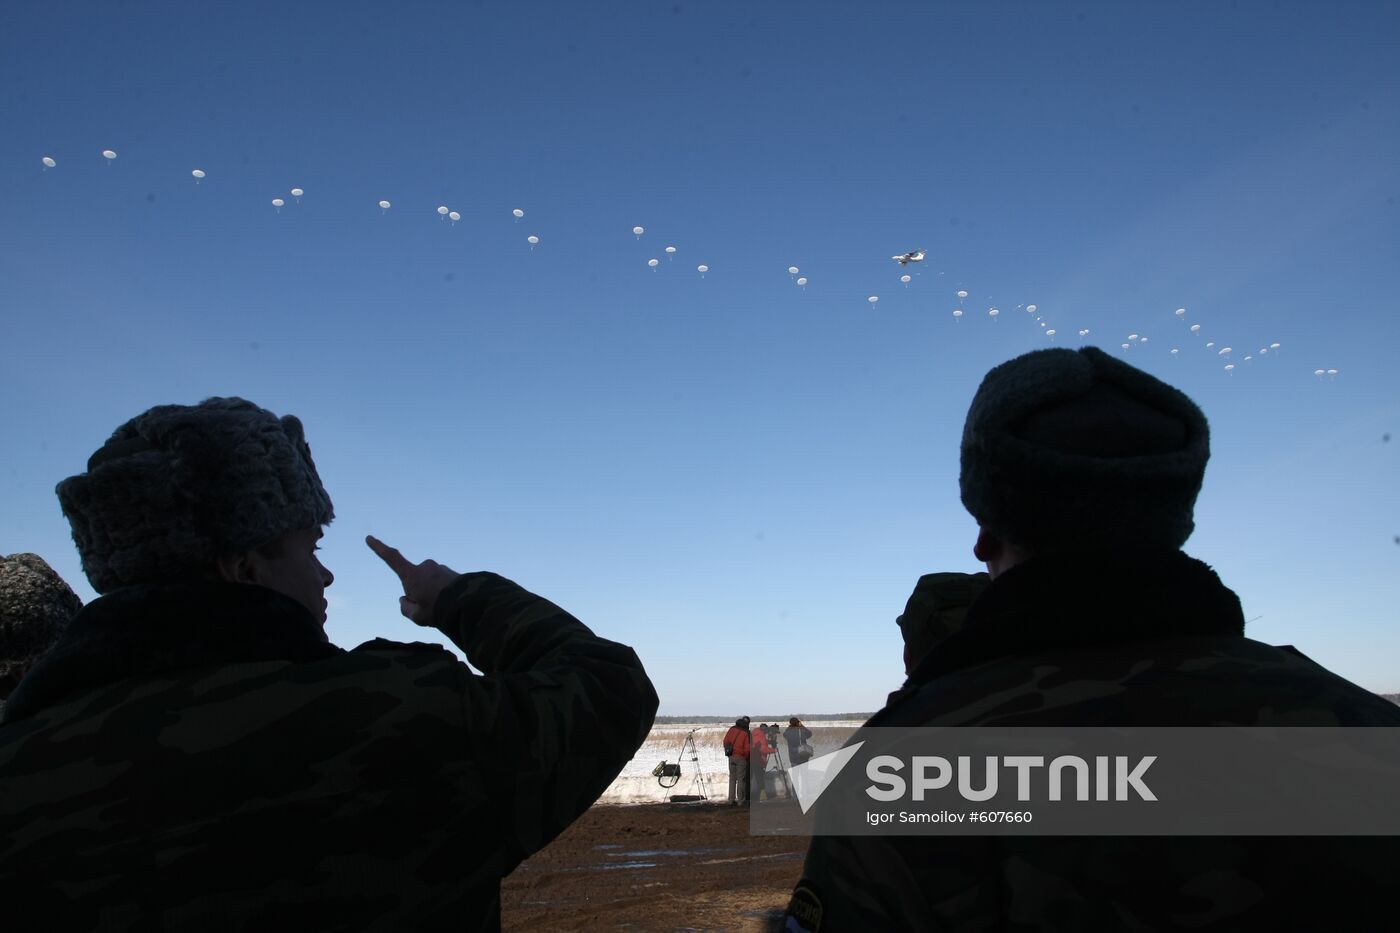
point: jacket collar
(1070, 601)
(142, 630)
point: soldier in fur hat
(194, 754)
(1082, 473)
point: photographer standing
(797, 736)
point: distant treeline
(829, 717)
(805, 717)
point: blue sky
(739, 477)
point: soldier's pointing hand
(421, 582)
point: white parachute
(957, 313)
(702, 269)
(384, 205)
(653, 263)
(297, 193)
(962, 294)
(532, 240)
(905, 279)
(443, 210)
(277, 203)
(454, 216)
(802, 280)
(1195, 328)
(518, 213)
(109, 154)
(48, 161)
(670, 251)
(793, 270)
(992, 313)
(198, 174)
(873, 299)
(638, 231)
(1030, 309)
(1180, 312)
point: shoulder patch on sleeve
(804, 913)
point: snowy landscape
(707, 765)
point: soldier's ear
(237, 568)
(989, 547)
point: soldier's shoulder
(1185, 680)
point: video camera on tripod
(668, 774)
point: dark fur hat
(1067, 449)
(179, 486)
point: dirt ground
(656, 867)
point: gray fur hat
(35, 606)
(180, 486)
(1067, 449)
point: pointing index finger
(391, 556)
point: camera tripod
(669, 775)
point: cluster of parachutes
(1135, 341)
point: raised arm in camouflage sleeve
(560, 709)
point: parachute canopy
(109, 154)
(670, 249)
(639, 230)
(454, 216)
(198, 173)
(48, 161)
(518, 213)
(384, 205)
(702, 269)
(802, 280)
(442, 210)
(1030, 309)
(962, 294)
(278, 202)
(792, 270)
(297, 192)
(532, 239)
(653, 263)
(905, 279)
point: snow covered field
(636, 784)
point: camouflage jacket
(199, 757)
(1155, 641)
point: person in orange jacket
(736, 749)
(758, 760)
